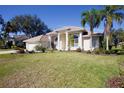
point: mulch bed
(116, 82)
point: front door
(86, 43)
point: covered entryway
(70, 38)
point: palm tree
(110, 14)
(91, 18)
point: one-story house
(66, 38)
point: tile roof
(37, 39)
(52, 33)
(20, 37)
(69, 28)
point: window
(75, 40)
(94, 41)
(85, 33)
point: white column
(50, 41)
(58, 42)
(66, 48)
(80, 41)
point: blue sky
(53, 16)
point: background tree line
(29, 25)
(117, 35)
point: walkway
(8, 51)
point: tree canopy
(92, 18)
(118, 34)
(27, 24)
(112, 13)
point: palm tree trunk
(107, 42)
(91, 29)
(107, 36)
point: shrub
(120, 52)
(20, 51)
(117, 51)
(103, 51)
(107, 52)
(88, 52)
(96, 51)
(1, 43)
(99, 51)
(110, 52)
(17, 48)
(31, 51)
(40, 48)
(122, 46)
(116, 82)
(114, 51)
(78, 50)
(110, 47)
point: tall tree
(2, 33)
(29, 25)
(6, 28)
(1, 20)
(1, 23)
(110, 14)
(92, 18)
(117, 36)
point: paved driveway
(8, 51)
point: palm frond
(83, 22)
(119, 17)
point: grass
(58, 69)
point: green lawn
(59, 69)
(5, 49)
